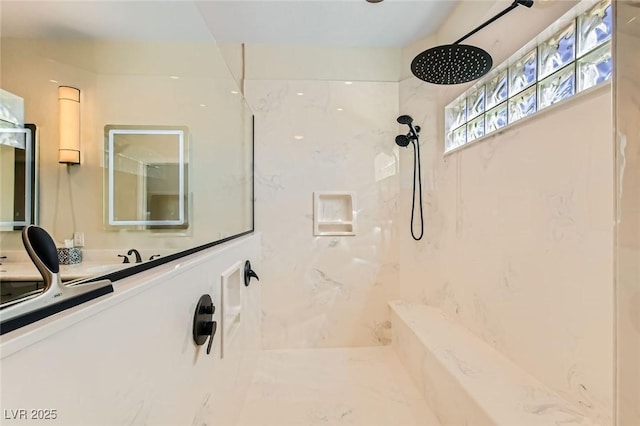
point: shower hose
(416, 170)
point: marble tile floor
(363, 386)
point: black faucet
(154, 256)
(137, 253)
(2, 258)
(125, 259)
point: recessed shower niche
(147, 177)
(232, 283)
(334, 213)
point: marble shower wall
(519, 242)
(627, 96)
(325, 291)
(519, 235)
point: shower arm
(516, 3)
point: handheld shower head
(405, 119)
(402, 140)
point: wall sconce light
(69, 111)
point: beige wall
(627, 127)
(322, 63)
(279, 62)
(518, 243)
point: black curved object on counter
(42, 249)
(249, 273)
(55, 296)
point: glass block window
(475, 128)
(475, 103)
(594, 27)
(456, 138)
(496, 118)
(595, 68)
(456, 114)
(557, 87)
(558, 51)
(522, 73)
(497, 89)
(555, 67)
(522, 105)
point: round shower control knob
(203, 325)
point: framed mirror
(17, 177)
(147, 177)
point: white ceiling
(120, 20)
(301, 22)
(324, 22)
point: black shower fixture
(405, 119)
(458, 63)
(403, 141)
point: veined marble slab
(112, 367)
(465, 380)
(364, 386)
(326, 291)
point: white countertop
(26, 271)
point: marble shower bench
(466, 381)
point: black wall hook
(249, 273)
(203, 325)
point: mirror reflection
(147, 171)
(167, 193)
(17, 177)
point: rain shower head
(458, 63)
(451, 64)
